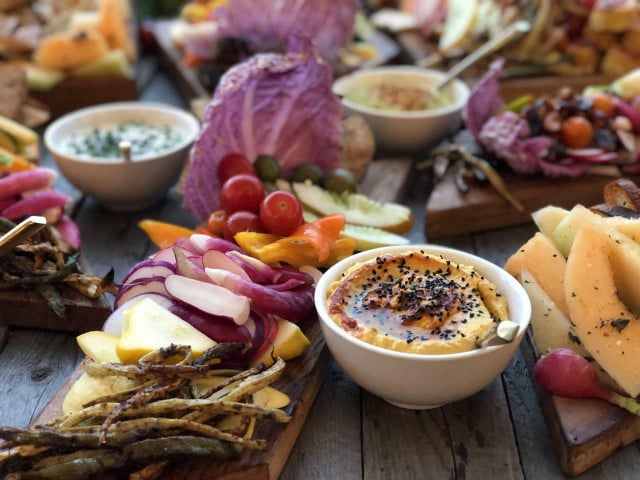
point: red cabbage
(267, 25)
(274, 104)
(484, 99)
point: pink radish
(203, 243)
(216, 259)
(294, 305)
(208, 298)
(563, 372)
(69, 231)
(35, 204)
(150, 285)
(19, 182)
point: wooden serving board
(73, 93)
(584, 432)
(301, 381)
(26, 308)
(451, 212)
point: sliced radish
(188, 267)
(164, 255)
(203, 243)
(216, 259)
(152, 285)
(595, 155)
(148, 269)
(209, 298)
(626, 110)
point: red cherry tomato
(242, 221)
(216, 222)
(577, 132)
(234, 164)
(242, 192)
(281, 213)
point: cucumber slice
(358, 209)
(364, 238)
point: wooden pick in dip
(21, 232)
(125, 148)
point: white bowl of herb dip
(405, 111)
(87, 147)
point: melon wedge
(548, 218)
(544, 262)
(605, 326)
(625, 253)
(551, 328)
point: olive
(308, 171)
(340, 180)
(267, 167)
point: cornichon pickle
(340, 180)
(308, 171)
(267, 167)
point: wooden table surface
(498, 433)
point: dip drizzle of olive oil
(103, 142)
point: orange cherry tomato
(216, 222)
(577, 132)
(603, 101)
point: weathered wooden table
(498, 433)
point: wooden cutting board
(301, 381)
(584, 432)
(451, 212)
(26, 308)
(386, 180)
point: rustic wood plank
(387, 179)
(481, 435)
(35, 363)
(402, 444)
(4, 336)
(331, 431)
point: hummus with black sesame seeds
(416, 302)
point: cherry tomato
(216, 222)
(242, 221)
(603, 101)
(281, 213)
(242, 192)
(234, 164)
(576, 132)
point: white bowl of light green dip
(401, 106)
(86, 146)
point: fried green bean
(174, 405)
(152, 450)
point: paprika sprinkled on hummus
(416, 302)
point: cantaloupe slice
(606, 327)
(112, 24)
(68, 50)
(625, 254)
(540, 257)
(548, 218)
(551, 328)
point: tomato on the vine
(216, 222)
(242, 221)
(577, 132)
(241, 192)
(234, 164)
(281, 213)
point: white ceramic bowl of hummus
(398, 105)
(404, 378)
